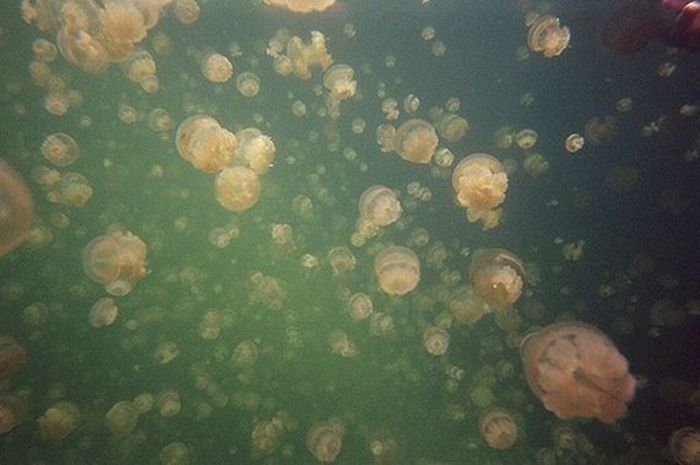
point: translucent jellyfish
(359, 306)
(416, 141)
(44, 51)
(379, 206)
(245, 354)
(339, 81)
(205, 144)
(386, 138)
(16, 209)
(159, 120)
(60, 149)
(103, 312)
(267, 290)
(497, 426)
(341, 260)
(397, 269)
(526, 138)
(498, 277)
(305, 56)
(82, 49)
(169, 404)
(216, 67)
(255, 150)
(535, 164)
(266, 436)
(12, 357)
(116, 260)
(166, 352)
(325, 440)
(452, 127)
(600, 130)
(546, 36)
(574, 142)
(144, 402)
(685, 446)
(341, 344)
(302, 6)
(466, 307)
(480, 182)
(436, 340)
(248, 84)
(237, 188)
(59, 421)
(175, 453)
(71, 190)
(577, 372)
(122, 26)
(122, 417)
(13, 410)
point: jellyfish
(143, 403)
(452, 127)
(301, 6)
(498, 428)
(60, 149)
(339, 81)
(255, 150)
(13, 411)
(248, 84)
(466, 307)
(497, 276)
(205, 144)
(237, 188)
(397, 269)
(416, 141)
(480, 182)
(341, 344)
(436, 340)
(685, 446)
(574, 142)
(186, 11)
(159, 120)
(266, 436)
(526, 138)
(535, 164)
(599, 130)
(12, 357)
(359, 306)
(577, 372)
(267, 290)
(122, 26)
(103, 312)
(16, 209)
(169, 404)
(216, 68)
(341, 260)
(44, 50)
(546, 36)
(175, 453)
(116, 260)
(122, 417)
(379, 206)
(305, 56)
(71, 190)
(59, 421)
(324, 440)
(245, 354)
(82, 49)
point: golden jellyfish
(526, 138)
(44, 51)
(71, 190)
(122, 417)
(116, 260)
(546, 36)
(59, 421)
(255, 150)
(12, 357)
(359, 306)
(379, 206)
(245, 354)
(301, 6)
(574, 142)
(216, 68)
(325, 440)
(397, 269)
(386, 137)
(140, 66)
(16, 209)
(497, 426)
(201, 141)
(577, 372)
(60, 149)
(480, 182)
(436, 340)
(82, 49)
(103, 312)
(535, 164)
(341, 260)
(341, 344)
(159, 120)
(338, 79)
(266, 436)
(122, 26)
(13, 410)
(175, 453)
(305, 56)
(466, 307)
(169, 404)
(267, 290)
(237, 188)
(416, 141)
(452, 127)
(498, 277)
(144, 402)
(186, 11)
(685, 446)
(248, 84)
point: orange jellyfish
(416, 141)
(304, 56)
(547, 37)
(341, 260)
(339, 81)
(497, 276)
(205, 144)
(255, 150)
(397, 269)
(452, 127)
(685, 446)
(12, 357)
(59, 421)
(60, 149)
(466, 306)
(116, 260)
(216, 68)
(379, 206)
(103, 312)
(436, 340)
(237, 188)
(325, 440)
(248, 84)
(122, 417)
(302, 6)
(360, 306)
(480, 182)
(577, 372)
(498, 428)
(13, 411)
(16, 209)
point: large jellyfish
(577, 372)
(480, 182)
(16, 209)
(416, 141)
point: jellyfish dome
(116, 260)
(498, 428)
(547, 37)
(255, 150)
(397, 269)
(325, 440)
(480, 182)
(201, 141)
(416, 141)
(16, 209)
(237, 188)
(379, 206)
(497, 276)
(577, 372)
(59, 421)
(685, 446)
(12, 357)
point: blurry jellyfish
(205, 144)
(16, 209)
(526, 138)
(324, 440)
(175, 453)
(169, 404)
(122, 417)
(411, 103)
(466, 307)
(577, 372)
(266, 436)
(600, 130)
(58, 421)
(452, 127)
(397, 269)
(166, 352)
(245, 354)
(358, 125)
(60, 149)
(186, 11)
(379, 206)
(341, 344)
(498, 277)
(302, 6)
(339, 81)
(71, 190)
(304, 56)
(216, 68)
(267, 290)
(480, 182)
(12, 357)
(341, 260)
(255, 150)
(44, 50)
(13, 410)
(144, 402)
(159, 120)
(416, 141)
(438, 48)
(436, 340)
(546, 36)
(386, 138)
(685, 446)
(359, 306)
(427, 33)
(535, 164)
(116, 260)
(574, 142)
(103, 313)
(498, 428)
(248, 84)
(237, 188)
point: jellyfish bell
(13, 357)
(480, 182)
(216, 68)
(103, 312)
(359, 306)
(237, 188)
(255, 150)
(379, 206)
(397, 269)
(577, 372)
(58, 421)
(498, 277)
(685, 446)
(416, 141)
(546, 36)
(60, 149)
(122, 417)
(498, 428)
(436, 340)
(16, 209)
(325, 440)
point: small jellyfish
(175, 453)
(324, 440)
(338, 79)
(452, 127)
(58, 421)
(16, 209)
(436, 340)
(216, 68)
(599, 130)
(144, 402)
(245, 354)
(466, 307)
(12, 357)
(526, 138)
(685, 446)
(341, 344)
(60, 149)
(122, 417)
(205, 144)
(248, 84)
(386, 138)
(535, 164)
(498, 428)
(546, 36)
(480, 182)
(416, 141)
(397, 269)
(116, 260)
(159, 120)
(304, 56)
(359, 306)
(341, 260)
(13, 411)
(577, 372)
(498, 277)
(186, 11)
(103, 312)
(71, 190)
(574, 142)
(166, 352)
(237, 188)
(379, 206)
(169, 404)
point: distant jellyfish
(186, 11)
(535, 164)
(452, 127)
(237, 188)
(324, 440)
(71, 190)
(480, 182)
(58, 421)
(526, 138)
(13, 357)
(248, 84)
(341, 260)
(498, 277)
(166, 352)
(255, 150)
(245, 354)
(547, 37)
(216, 67)
(205, 144)
(44, 51)
(574, 142)
(685, 446)
(143, 403)
(416, 141)
(16, 209)
(13, 411)
(600, 129)
(436, 340)
(466, 307)
(159, 120)
(103, 312)
(116, 260)
(175, 453)
(341, 344)
(60, 149)
(339, 81)
(397, 269)
(386, 138)
(577, 372)
(498, 428)
(169, 404)
(304, 56)
(359, 306)
(122, 417)
(301, 6)
(379, 206)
